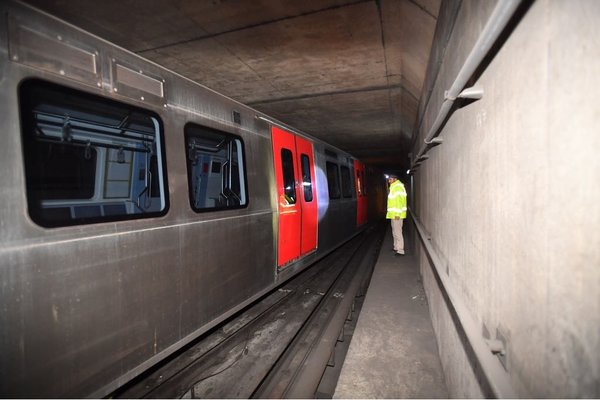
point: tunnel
(484, 110)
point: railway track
(278, 347)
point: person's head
(392, 178)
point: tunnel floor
(393, 352)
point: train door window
(363, 183)
(359, 183)
(289, 182)
(89, 159)
(306, 179)
(346, 184)
(216, 173)
(333, 180)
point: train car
(140, 209)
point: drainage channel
(279, 346)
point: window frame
(304, 157)
(187, 134)
(285, 173)
(26, 91)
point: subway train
(140, 209)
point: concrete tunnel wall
(511, 200)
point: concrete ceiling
(348, 72)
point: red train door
(297, 201)
(361, 195)
(308, 195)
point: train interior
(215, 168)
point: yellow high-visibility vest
(396, 203)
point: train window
(359, 188)
(363, 186)
(346, 184)
(89, 159)
(306, 179)
(289, 183)
(216, 173)
(333, 180)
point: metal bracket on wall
(492, 30)
(492, 367)
(473, 94)
(498, 346)
(503, 353)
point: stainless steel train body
(98, 287)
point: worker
(396, 211)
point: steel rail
(158, 375)
(298, 372)
(218, 365)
